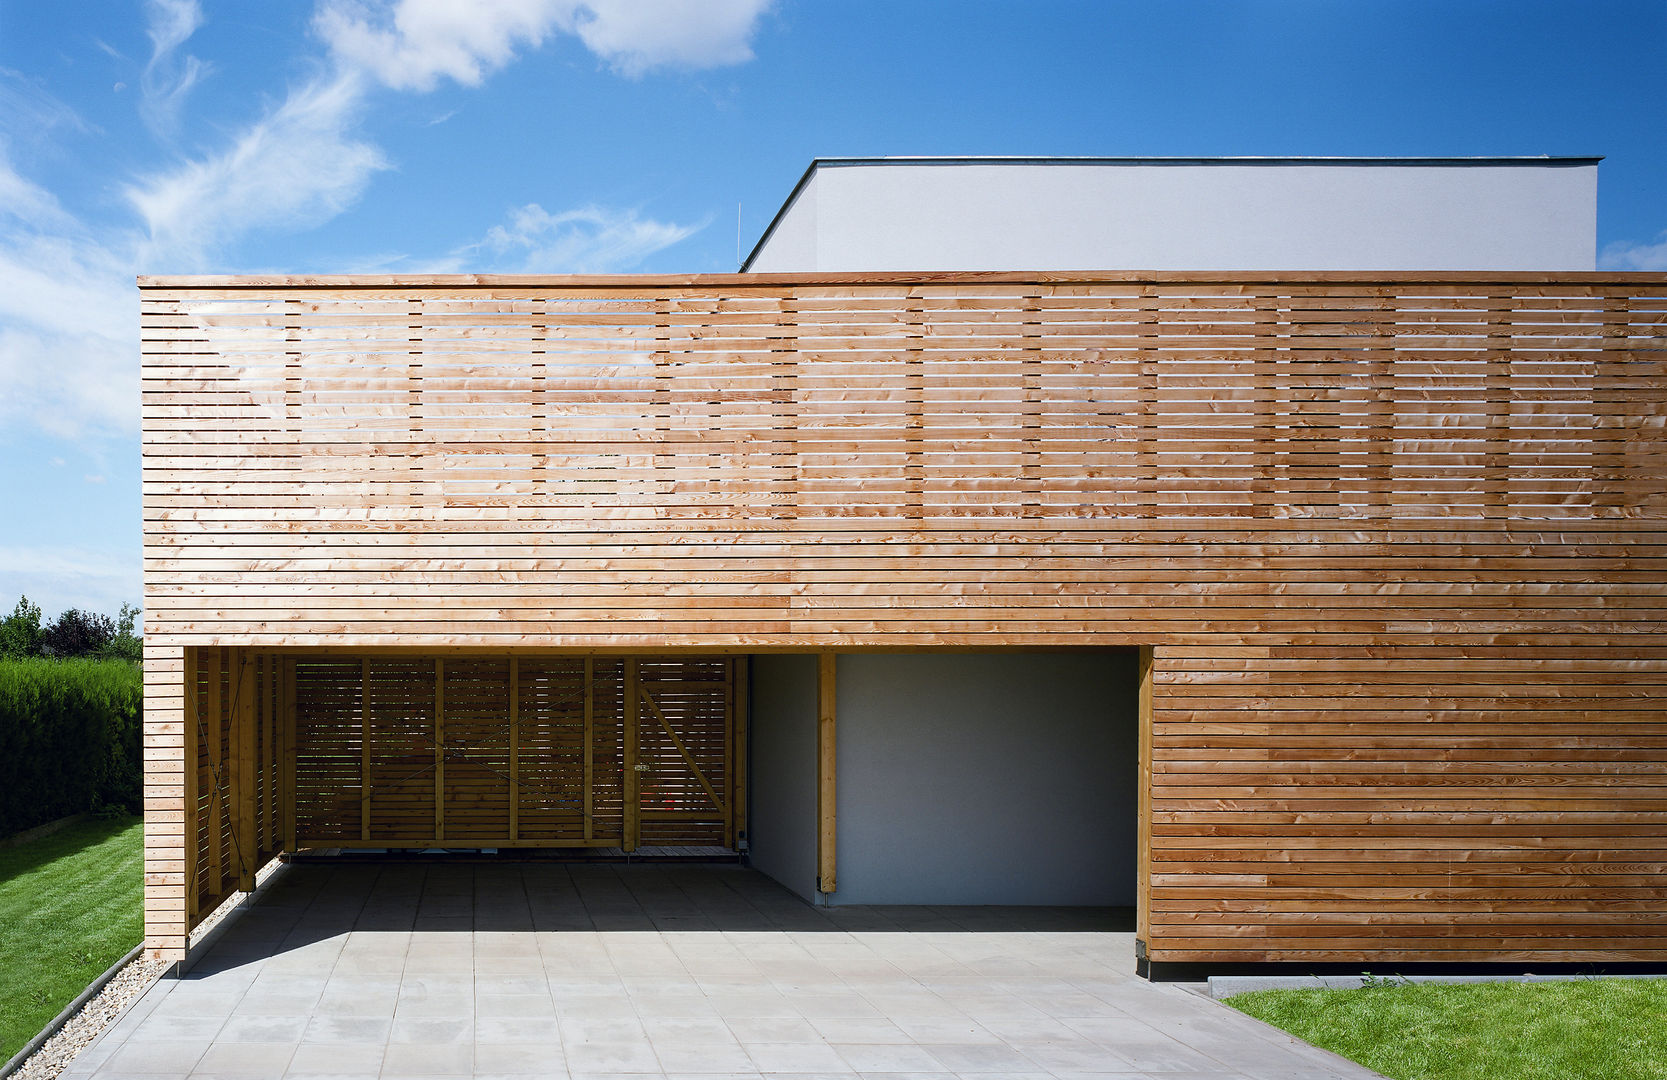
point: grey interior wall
(781, 735)
(986, 778)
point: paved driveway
(619, 971)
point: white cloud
(165, 84)
(299, 166)
(1623, 256)
(636, 36)
(591, 239)
(413, 44)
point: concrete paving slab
(360, 970)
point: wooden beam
(633, 798)
(514, 748)
(590, 747)
(740, 712)
(288, 719)
(244, 789)
(688, 758)
(269, 834)
(365, 736)
(827, 877)
(216, 736)
(439, 749)
(191, 828)
(1143, 828)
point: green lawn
(1588, 1029)
(71, 904)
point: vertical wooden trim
(190, 822)
(740, 706)
(364, 749)
(439, 749)
(245, 790)
(1143, 841)
(729, 754)
(218, 772)
(633, 800)
(291, 742)
(589, 802)
(514, 748)
(269, 753)
(827, 878)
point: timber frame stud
(1394, 547)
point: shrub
(78, 633)
(69, 739)
(20, 632)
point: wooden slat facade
(1397, 545)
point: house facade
(1315, 616)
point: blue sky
(178, 136)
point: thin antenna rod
(737, 234)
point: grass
(71, 904)
(1587, 1029)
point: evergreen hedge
(69, 739)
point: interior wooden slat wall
(566, 789)
(1307, 488)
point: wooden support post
(439, 749)
(827, 878)
(738, 764)
(287, 717)
(514, 749)
(190, 827)
(244, 789)
(1143, 828)
(633, 801)
(588, 801)
(364, 749)
(269, 753)
(729, 753)
(216, 735)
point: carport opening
(970, 778)
(963, 779)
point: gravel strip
(97, 1014)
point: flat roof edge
(957, 277)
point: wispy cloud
(167, 82)
(1625, 256)
(66, 318)
(591, 239)
(300, 165)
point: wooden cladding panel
(962, 461)
(1409, 804)
(1398, 544)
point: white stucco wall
(987, 778)
(905, 216)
